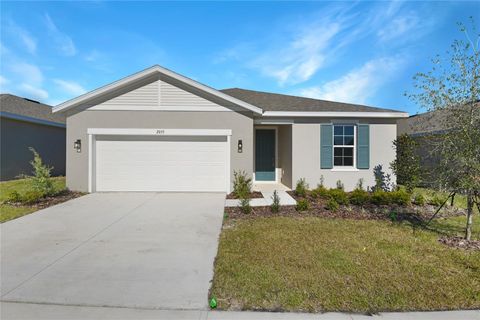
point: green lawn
(322, 264)
(460, 201)
(8, 212)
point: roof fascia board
(19, 117)
(335, 114)
(144, 74)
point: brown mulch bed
(252, 195)
(51, 200)
(318, 210)
(421, 212)
(317, 207)
(460, 243)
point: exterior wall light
(77, 145)
(240, 146)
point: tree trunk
(468, 230)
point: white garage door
(174, 163)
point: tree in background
(451, 89)
(406, 165)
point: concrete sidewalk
(11, 310)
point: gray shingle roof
(281, 102)
(28, 108)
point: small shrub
(41, 180)
(359, 197)
(382, 180)
(275, 206)
(419, 200)
(437, 200)
(400, 197)
(332, 205)
(301, 188)
(32, 197)
(320, 192)
(340, 185)
(322, 181)
(339, 196)
(393, 216)
(242, 185)
(302, 205)
(245, 205)
(380, 197)
(360, 184)
(14, 197)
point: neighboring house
(157, 130)
(27, 123)
(425, 128)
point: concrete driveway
(144, 250)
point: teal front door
(265, 155)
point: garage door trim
(94, 132)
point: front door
(265, 155)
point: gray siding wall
(18, 136)
(285, 153)
(77, 125)
(306, 154)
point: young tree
(451, 90)
(406, 165)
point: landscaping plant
(359, 197)
(275, 206)
(419, 200)
(332, 205)
(41, 180)
(320, 192)
(382, 180)
(301, 188)
(245, 205)
(360, 184)
(406, 165)
(340, 185)
(242, 184)
(339, 196)
(451, 90)
(302, 205)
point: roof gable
(144, 78)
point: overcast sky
(360, 52)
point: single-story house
(426, 129)
(26, 123)
(157, 130)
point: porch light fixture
(240, 146)
(77, 145)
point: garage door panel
(162, 164)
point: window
(343, 145)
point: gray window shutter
(326, 146)
(363, 146)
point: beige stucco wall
(285, 153)
(306, 154)
(77, 125)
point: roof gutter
(20, 117)
(335, 114)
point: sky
(358, 52)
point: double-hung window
(343, 145)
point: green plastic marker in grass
(213, 303)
